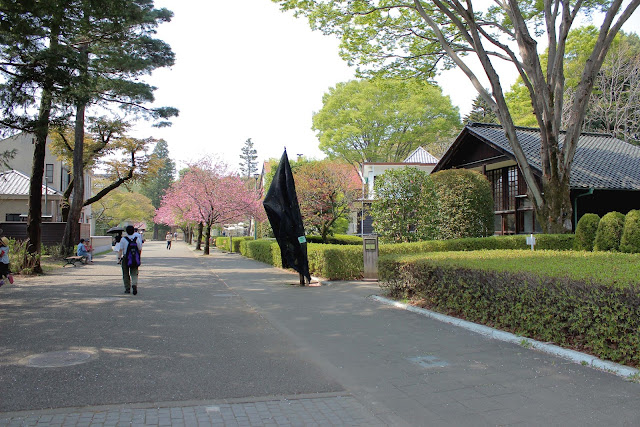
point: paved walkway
(223, 340)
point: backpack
(133, 254)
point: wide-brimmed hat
(5, 241)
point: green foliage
(464, 203)
(630, 241)
(559, 242)
(481, 112)
(20, 260)
(326, 190)
(344, 260)
(335, 262)
(609, 232)
(598, 316)
(222, 243)
(260, 250)
(586, 232)
(403, 209)
(383, 120)
(162, 177)
(337, 239)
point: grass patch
(612, 268)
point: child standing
(4, 261)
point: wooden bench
(71, 260)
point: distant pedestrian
(4, 261)
(129, 253)
(175, 236)
(168, 237)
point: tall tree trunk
(71, 229)
(199, 242)
(34, 218)
(207, 239)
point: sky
(244, 69)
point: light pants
(129, 275)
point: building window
(12, 217)
(513, 210)
(48, 173)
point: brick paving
(328, 410)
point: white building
(420, 159)
(14, 182)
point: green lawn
(603, 267)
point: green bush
(586, 232)
(598, 317)
(560, 242)
(402, 208)
(260, 250)
(238, 240)
(222, 243)
(464, 204)
(630, 241)
(345, 262)
(337, 239)
(609, 232)
(335, 262)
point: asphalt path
(207, 328)
(185, 336)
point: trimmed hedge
(586, 232)
(595, 317)
(345, 262)
(337, 239)
(336, 262)
(559, 242)
(224, 242)
(609, 232)
(630, 241)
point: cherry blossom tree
(208, 193)
(326, 190)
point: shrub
(238, 240)
(609, 232)
(335, 262)
(337, 239)
(464, 204)
(597, 317)
(630, 241)
(586, 232)
(222, 243)
(561, 242)
(260, 249)
(401, 210)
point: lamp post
(255, 188)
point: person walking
(129, 253)
(169, 238)
(4, 261)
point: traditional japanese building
(605, 175)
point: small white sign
(531, 241)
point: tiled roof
(601, 161)
(420, 155)
(16, 183)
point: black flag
(283, 211)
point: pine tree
(481, 112)
(156, 187)
(248, 165)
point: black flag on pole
(283, 211)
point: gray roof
(16, 183)
(420, 155)
(601, 161)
